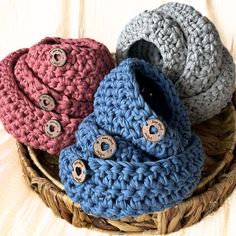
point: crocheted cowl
(116, 169)
(187, 48)
(46, 90)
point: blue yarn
(142, 176)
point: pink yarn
(27, 74)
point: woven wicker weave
(218, 181)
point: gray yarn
(186, 46)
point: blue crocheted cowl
(136, 152)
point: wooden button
(105, 140)
(58, 57)
(52, 128)
(79, 171)
(158, 135)
(46, 102)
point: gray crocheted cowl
(186, 46)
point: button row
(52, 128)
(105, 146)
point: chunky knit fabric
(141, 176)
(186, 46)
(27, 74)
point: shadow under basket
(218, 181)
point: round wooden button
(109, 142)
(79, 171)
(52, 128)
(157, 136)
(46, 102)
(58, 57)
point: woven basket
(218, 181)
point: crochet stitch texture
(187, 48)
(142, 176)
(27, 74)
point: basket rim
(42, 169)
(227, 178)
